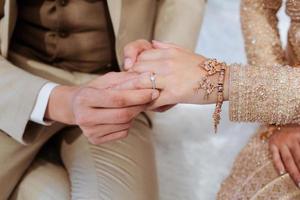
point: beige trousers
(121, 170)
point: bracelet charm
(213, 67)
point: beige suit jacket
(176, 21)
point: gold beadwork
(271, 130)
(253, 175)
(268, 94)
(207, 86)
(212, 67)
(261, 35)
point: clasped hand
(105, 107)
(177, 72)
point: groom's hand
(103, 113)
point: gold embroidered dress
(266, 91)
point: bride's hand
(285, 148)
(177, 74)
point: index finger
(119, 98)
(142, 82)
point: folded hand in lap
(284, 145)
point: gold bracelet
(265, 135)
(212, 67)
(220, 98)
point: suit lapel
(115, 8)
(7, 25)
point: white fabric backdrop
(191, 160)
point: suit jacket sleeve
(18, 92)
(179, 21)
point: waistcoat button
(63, 2)
(63, 34)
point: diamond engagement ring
(152, 79)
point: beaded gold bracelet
(212, 67)
(269, 132)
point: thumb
(164, 45)
(132, 51)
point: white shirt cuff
(40, 107)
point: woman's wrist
(206, 90)
(213, 86)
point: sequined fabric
(254, 177)
(264, 91)
(265, 94)
(259, 27)
(293, 10)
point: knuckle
(118, 101)
(287, 160)
(125, 115)
(93, 141)
(81, 119)
(81, 98)
(127, 126)
(87, 132)
(124, 134)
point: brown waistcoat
(74, 35)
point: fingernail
(160, 42)
(155, 94)
(127, 63)
(155, 41)
(282, 173)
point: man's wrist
(38, 112)
(59, 106)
